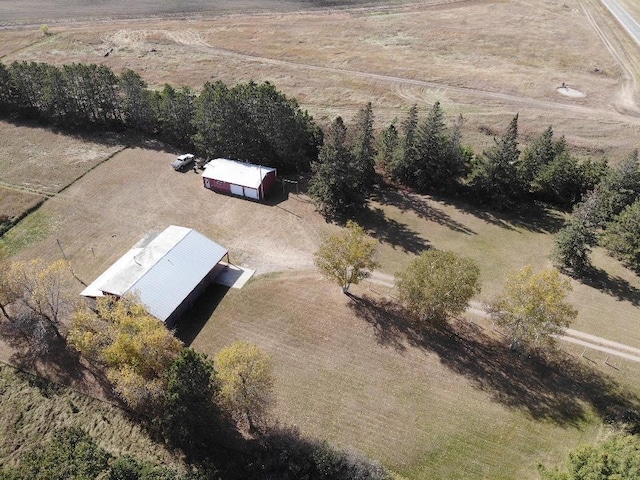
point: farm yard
(427, 403)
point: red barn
(239, 178)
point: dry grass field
(32, 409)
(42, 161)
(14, 202)
(485, 59)
(429, 404)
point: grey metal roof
(238, 173)
(161, 270)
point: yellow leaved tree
(347, 258)
(245, 376)
(533, 308)
(136, 348)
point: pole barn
(239, 178)
(167, 271)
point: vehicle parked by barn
(183, 161)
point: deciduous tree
(33, 299)
(615, 458)
(347, 258)
(438, 285)
(533, 308)
(136, 348)
(246, 383)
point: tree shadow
(57, 362)
(419, 204)
(534, 217)
(556, 387)
(190, 326)
(617, 287)
(389, 231)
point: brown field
(14, 202)
(436, 406)
(42, 161)
(487, 60)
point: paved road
(624, 18)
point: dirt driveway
(112, 207)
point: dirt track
(577, 337)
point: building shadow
(557, 388)
(191, 324)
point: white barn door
(251, 193)
(237, 190)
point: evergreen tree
(363, 147)
(573, 244)
(285, 136)
(7, 90)
(189, 412)
(175, 115)
(622, 237)
(536, 156)
(403, 167)
(388, 147)
(336, 187)
(621, 186)
(137, 102)
(441, 159)
(494, 176)
(222, 126)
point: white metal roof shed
(162, 269)
(237, 173)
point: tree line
(428, 156)
(253, 122)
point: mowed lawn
(426, 408)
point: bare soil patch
(103, 215)
(570, 92)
